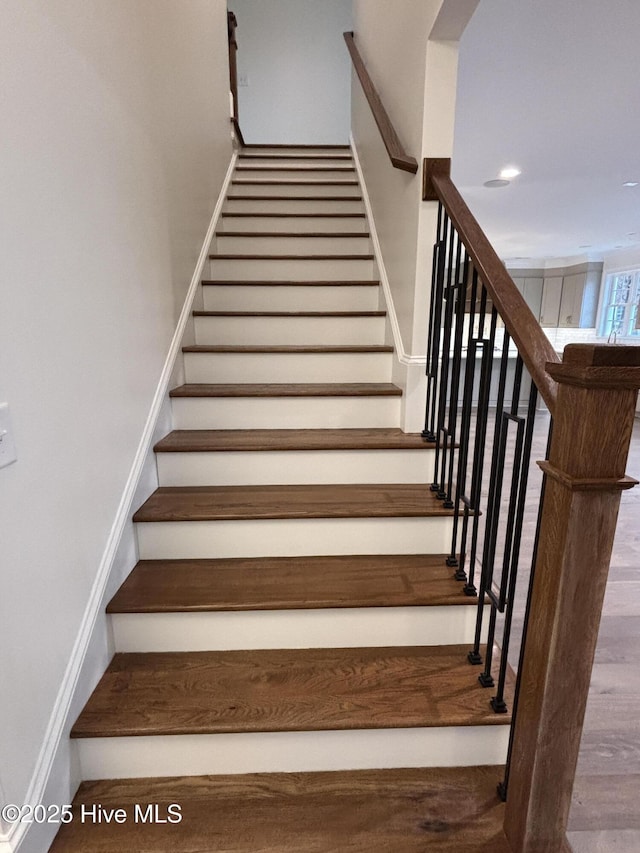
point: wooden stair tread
(294, 198)
(199, 440)
(295, 157)
(272, 215)
(237, 503)
(283, 146)
(296, 234)
(289, 389)
(301, 169)
(289, 313)
(441, 810)
(287, 690)
(283, 182)
(289, 348)
(262, 257)
(289, 583)
(290, 283)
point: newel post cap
(598, 366)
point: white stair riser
(159, 540)
(302, 173)
(294, 629)
(287, 367)
(298, 151)
(334, 245)
(290, 205)
(295, 223)
(294, 188)
(294, 467)
(263, 752)
(292, 223)
(285, 412)
(312, 297)
(291, 270)
(289, 330)
(287, 162)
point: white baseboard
(377, 251)
(408, 369)
(54, 748)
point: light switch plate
(7, 443)
(243, 79)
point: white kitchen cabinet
(551, 296)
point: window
(621, 314)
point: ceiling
(552, 87)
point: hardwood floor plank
(450, 810)
(291, 439)
(287, 690)
(287, 583)
(601, 802)
(211, 503)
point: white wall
(297, 65)
(114, 145)
(415, 76)
(392, 40)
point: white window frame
(621, 319)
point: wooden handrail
(532, 343)
(398, 156)
(232, 26)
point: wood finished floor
(284, 583)
(453, 810)
(234, 503)
(290, 439)
(286, 690)
(289, 389)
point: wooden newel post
(593, 421)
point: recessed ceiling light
(631, 183)
(496, 183)
(509, 172)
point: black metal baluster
(491, 521)
(463, 454)
(435, 324)
(503, 786)
(454, 393)
(514, 539)
(482, 420)
(440, 453)
(448, 439)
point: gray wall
(295, 61)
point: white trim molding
(402, 355)
(11, 841)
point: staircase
(291, 648)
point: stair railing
(490, 369)
(398, 156)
